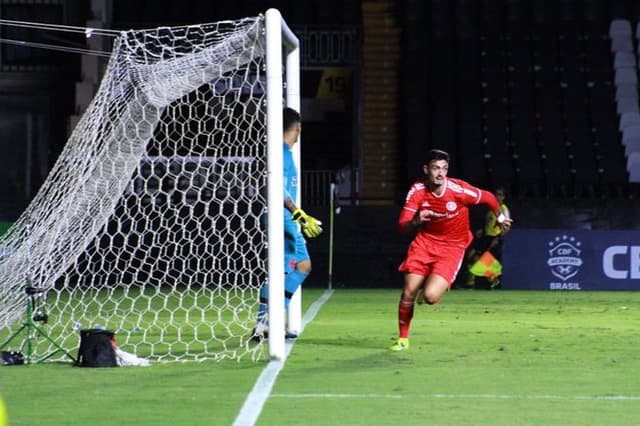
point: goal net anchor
(35, 314)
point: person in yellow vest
(493, 240)
(472, 255)
(493, 233)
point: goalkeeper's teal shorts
(295, 246)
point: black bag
(12, 358)
(97, 349)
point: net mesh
(149, 222)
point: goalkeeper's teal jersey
(290, 175)
(295, 246)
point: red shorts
(426, 259)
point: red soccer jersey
(449, 223)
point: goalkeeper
(297, 263)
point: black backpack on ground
(12, 358)
(97, 349)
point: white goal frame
(278, 38)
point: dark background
(520, 92)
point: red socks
(405, 314)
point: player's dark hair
(289, 117)
(436, 154)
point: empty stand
(536, 95)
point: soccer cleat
(401, 345)
(261, 332)
(290, 336)
(258, 336)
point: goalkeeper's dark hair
(436, 154)
(289, 117)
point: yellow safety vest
(492, 227)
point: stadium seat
(631, 145)
(626, 90)
(620, 28)
(624, 60)
(631, 139)
(633, 167)
(629, 132)
(625, 76)
(627, 105)
(622, 44)
(629, 119)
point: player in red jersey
(437, 208)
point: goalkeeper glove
(310, 225)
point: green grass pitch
(477, 358)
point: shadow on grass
(351, 354)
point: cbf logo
(564, 257)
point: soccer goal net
(151, 221)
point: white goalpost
(152, 221)
(278, 36)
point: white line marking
(254, 403)
(336, 395)
(557, 397)
(460, 396)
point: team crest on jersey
(451, 206)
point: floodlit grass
(478, 358)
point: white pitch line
(337, 395)
(254, 403)
(556, 397)
(460, 396)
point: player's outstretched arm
(491, 201)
